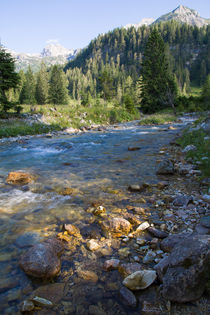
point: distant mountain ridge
(53, 53)
(181, 14)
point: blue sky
(26, 25)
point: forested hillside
(112, 62)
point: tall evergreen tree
(8, 78)
(158, 85)
(58, 92)
(28, 91)
(206, 93)
(42, 86)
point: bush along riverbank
(150, 255)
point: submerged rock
(93, 245)
(129, 268)
(53, 292)
(72, 230)
(111, 264)
(42, 302)
(128, 298)
(87, 275)
(19, 178)
(27, 306)
(116, 226)
(42, 260)
(140, 280)
(157, 233)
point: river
(98, 166)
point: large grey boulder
(185, 271)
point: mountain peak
(183, 14)
(55, 49)
(182, 10)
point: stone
(111, 264)
(157, 233)
(205, 221)
(150, 256)
(42, 302)
(140, 280)
(149, 308)
(133, 148)
(19, 178)
(141, 241)
(128, 298)
(188, 148)
(116, 226)
(142, 227)
(99, 210)
(72, 230)
(8, 283)
(206, 198)
(162, 185)
(87, 275)
(182, 201)
(27, 239)
(169, 242)
(93, 245)
(27, 306)
(132, 219)
(200, 229)
(165, 167)
(124, 252)
(53, 292)
(138, 188)
(185, 271)
(90, 232)
(127, 269)
(42, 260)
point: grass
(202, 153)
(60, 117)
(158, 119)
(17, 127)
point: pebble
(143, 226)
(150, 256)
(42, 302)
(92, 245)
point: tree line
(146, 67)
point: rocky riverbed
(109, 222)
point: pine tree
(206, 93)
(58, 92)
(28, 91)
(42, 86)
(8, 78)
(158, 85)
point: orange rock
(72, 230)
(87, 275)
(19, 178)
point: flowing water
(98, 166)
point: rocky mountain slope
(181, 14)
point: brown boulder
(19, 178)
(42, 260)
